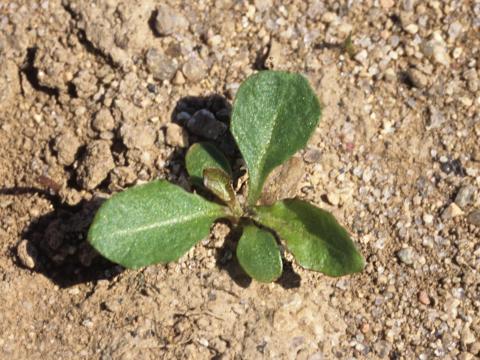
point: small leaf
(348, 46)
(313, 236)
(258, 254)
(274, 114)
(220, 184)
(153, 223)
(201, 156)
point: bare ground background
(94, 97)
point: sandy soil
(94, 96)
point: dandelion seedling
(273, 116)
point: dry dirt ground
(94, 98)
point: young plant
(274, 114)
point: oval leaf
(258, 254)
(202, 156)
(153, 223)
(313, 236)
(219, 183)
(274, 114)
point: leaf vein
(165, 223)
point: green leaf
(201, 156)
(153, 223)
(274, 114)
(258, 254)
(220, 184)
(313, 236)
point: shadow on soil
(57, 240)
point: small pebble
(159, 65)
(474, 217)
(451, 211)
(194, 69)
(423, 297)
(27, 254)
(365, 328)
(407, 256)
(454, 30)
(343, 284)
(112, 305)
(436, 120)
(179, 79)
(362, 57)
(312, 156)
(333, 198)
(387, 4)
(427, 219)
(458, 293)
(175, 135)
(87, 323)
(367, 175)
(467, 336)
(436, 50)
(203, 342)
(418, 79)
(168, 21)
(411, 28)
(464, 196)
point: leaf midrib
(169, 222)
(261, 162)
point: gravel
(474, 217)
(418, 79)
(428, 219)
(407, 256)
(194, 69)
(423, 297)
(168, 21)
(175, 135)
(160, 65)
(464, 196)
(398, 141)
(436, 49)
(312, 156)
(451, 211)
